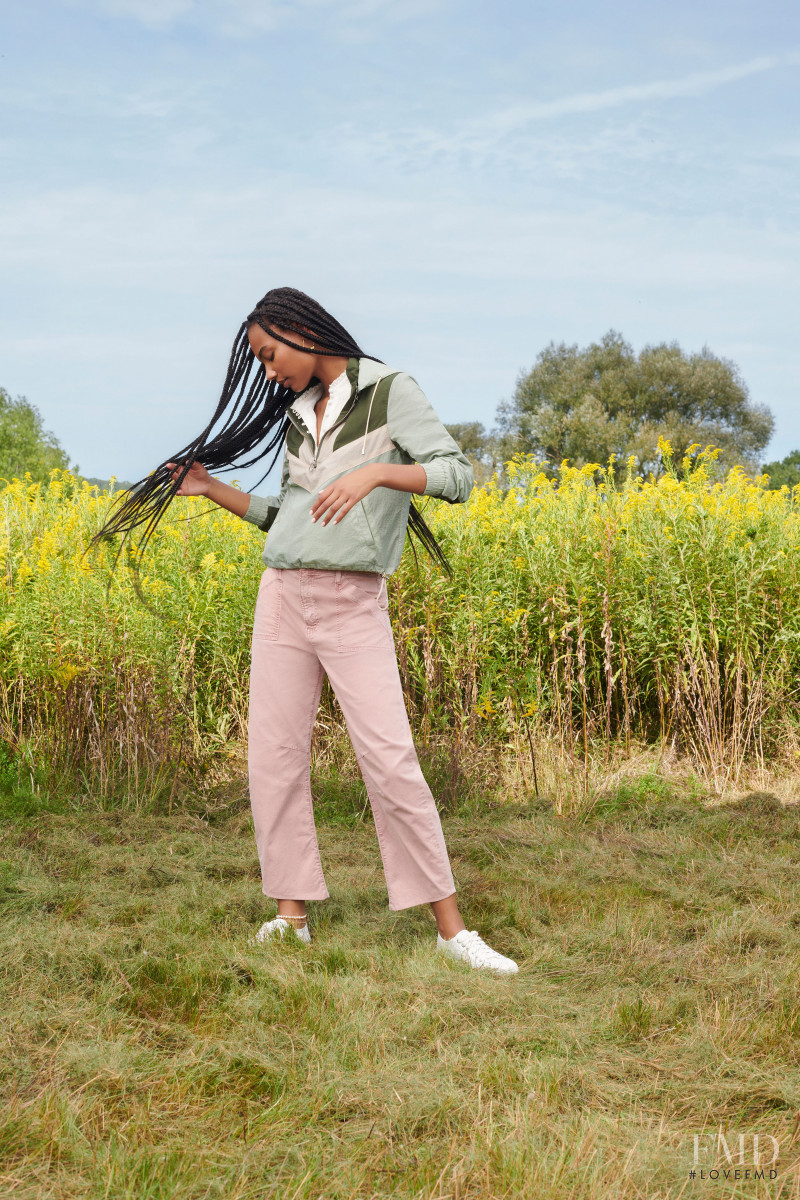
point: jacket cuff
(260, 512)
(437, 476)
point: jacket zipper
(345, 414)
(300, 425)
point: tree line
(582, 404)
(585, 404)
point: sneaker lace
(481, 954)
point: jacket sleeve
(414, 427)
(264, 509)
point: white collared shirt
(305, 403)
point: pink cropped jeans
(309, 623)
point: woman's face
(292, 368)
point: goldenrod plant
(586, 614)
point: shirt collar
(306, 401)
(359, 374)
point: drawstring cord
(384, 575)
(369, 414)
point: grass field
(151, 1052)
(605, 699)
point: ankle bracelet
(294, 917)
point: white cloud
(154, 14)
(161, 238)
(484, 137)
(239, 17)
(696, 84)
(168, 276)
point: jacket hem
(280, 563)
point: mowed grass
(151, 1052)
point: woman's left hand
(336, 500)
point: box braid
(247, 411)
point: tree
(25, 444)
(586, 404)
(104, 485)
(787, 471)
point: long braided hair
(248, 411)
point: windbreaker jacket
(387, 419)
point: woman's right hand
(196, 481)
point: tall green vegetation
(25, 444)
(586, 614)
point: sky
(459, 183)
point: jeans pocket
(361, 619)
(368, 582)
(267, 619)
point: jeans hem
(424, 900)
(305, 896)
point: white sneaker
(278, 927)
(467, 946)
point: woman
(359, 440)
